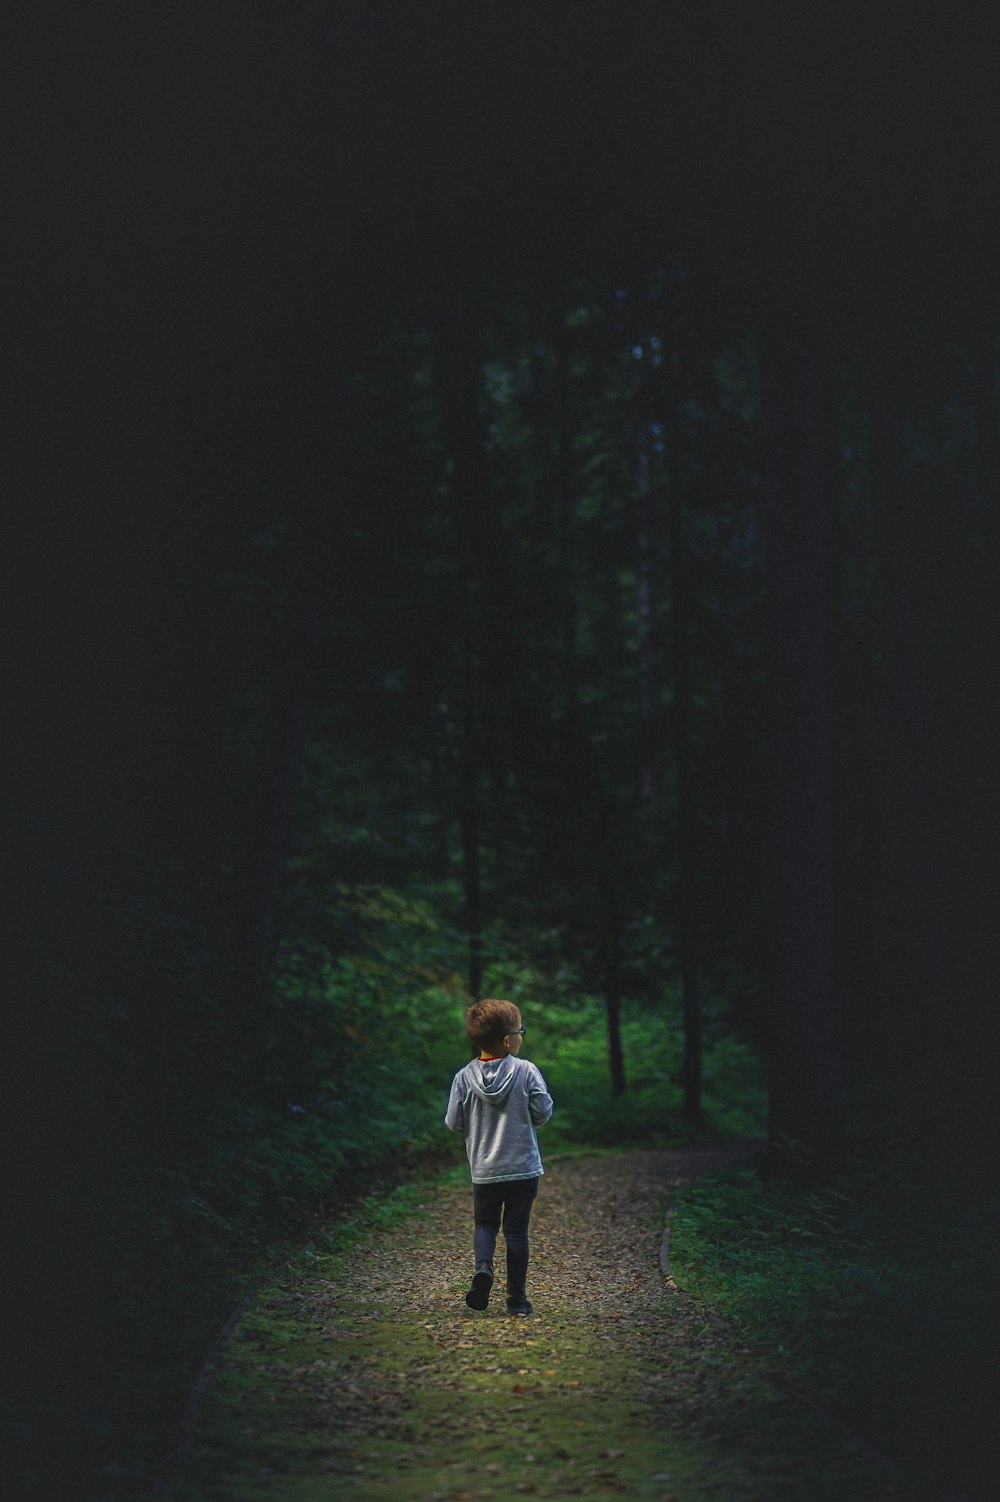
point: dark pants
(512, 1200)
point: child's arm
(539, 1100)
(455, 1114)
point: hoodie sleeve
(455, 1114)
(539, 1100)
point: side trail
(367, 1375)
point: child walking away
(497, 1101)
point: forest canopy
(505, 500)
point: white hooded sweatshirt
(497, 1104)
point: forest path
(366, 1374)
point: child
(497, 1101)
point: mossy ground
(362, 1370)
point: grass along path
(364, 1373)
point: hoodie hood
(492, 1081)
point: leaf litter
(371, 1371)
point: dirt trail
(371, 1378)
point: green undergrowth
(567, 1038)
(178, 1243)
(342, 1095)
(316, 1397)
(516, 1423)
(874, 1294)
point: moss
(360, 1371)
(524, 1412)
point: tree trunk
(565, 495)
(800, 489)
(934, 764)
(613, 991)
(579, 747)
(469, 822)
(687, 830)
(458, 369)
(645, 616)
(254, 922)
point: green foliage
(375, 1027)
(567, 1038)
(316, 614)
(874, 1293)
(387, 1033)
(378, 663)
(341, 1092)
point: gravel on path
(369, 1376)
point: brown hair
(488, 1022)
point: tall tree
(458, 364)
(683, 742)
(590, 777)
(645, 609)
(799, 497)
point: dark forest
(502, 501)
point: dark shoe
(519, 1306)
(478, 1295)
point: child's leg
(487, 1200)
(518, 1199)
